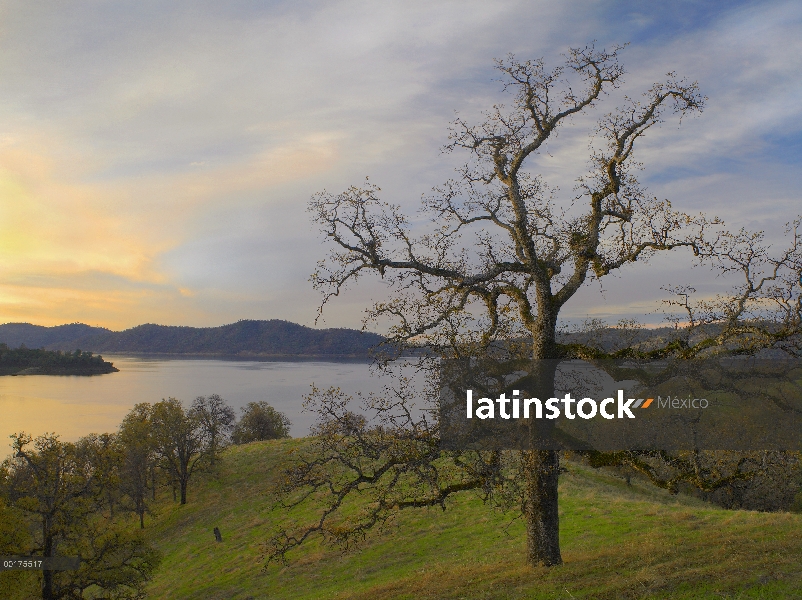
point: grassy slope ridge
(274, 337)
(618, 542)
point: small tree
(178, 440)
(217, 421)
(57, 486)
(260, 421)
(115, 563)
(54, 484)
(106, 458)
(137, 444)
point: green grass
(617, 542)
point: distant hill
(610, 339)
(249, 338)
(61, 337)
(260, 338)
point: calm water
(75, 406)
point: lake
(74, 406)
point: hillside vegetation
(26, 361)
(618, 542)
(244, 338)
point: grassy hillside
(618, 542)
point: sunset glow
(157, 169)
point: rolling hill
(618, 542)
(244, 338)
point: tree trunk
(183, 491)
(541, 463)
(47, 585)
(541, 468)
(48, 548)
(544, 334)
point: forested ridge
(245, 338)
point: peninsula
(29, 361)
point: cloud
(65, 236)
(156, 158)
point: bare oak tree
(500, 259)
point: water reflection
(74, 406)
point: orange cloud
(75, 248)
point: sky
(156, 158)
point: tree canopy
(58, 489)
(260, 421)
